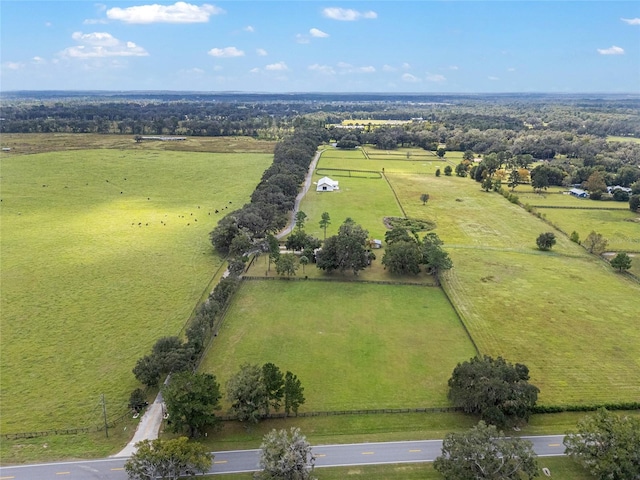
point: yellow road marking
(116, 469)
(414, 451)
(320, 455)
(367, 453)
(6, 478)
(63, 473)
(220, 461)
(554, 444)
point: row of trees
(274, 196)
(192, 399)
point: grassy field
(539, 308)
(353, 345)
(366, 200)
(557, 197)
(613, 138)
(29, 143)
(620, 227)
(103, 252)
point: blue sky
(321, 46)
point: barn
(325, 184)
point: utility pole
(104, 413)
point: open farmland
(353, 345)
(544, 309)
(101, 256)
(619, 225)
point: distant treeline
(261, 114)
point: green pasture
(544, 309)
(558, 197)
(366, 200)
(613, 138)
(353, 345)
(103, 252)
(29, 143)
(400, 164)
(620, 227)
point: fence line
(395, 195)
(344, 280)
(377, 411)
(570, 207)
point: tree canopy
(485, 453)
(546, 240)
(606, 444)
(495, 389)
(167, 459)
(192, 400)
(346, 250)
(285, 456)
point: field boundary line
(445, 287)
(341, 280)
(395, 195)
(570, 207)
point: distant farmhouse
(618, 187)
(576, 192)
(325, 184)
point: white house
(325, 184)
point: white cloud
(249, 29)
(347, 14)
(511, 69)
(227, 52)
(406, 66)
(179, 12)
(348, 68)
(302, 38)
(13, 65)
(261, 52)
(96, 39)
(255, 70)
(388, 68)
(314, 32)
(218, 68)
(454, 67)
(631, 21)
(493, 79)
(277, 67)
(38, 60)
(94, 21)
(434, 77)
(100, 45)
(323, 69)
(613, 50)
(407, 77)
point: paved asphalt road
(247, 460)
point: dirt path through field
(303, 192)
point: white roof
(328, 181)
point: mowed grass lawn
(352, 345)
(564, 313)
(103, 252)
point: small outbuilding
(576, 192)
(325, 184)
